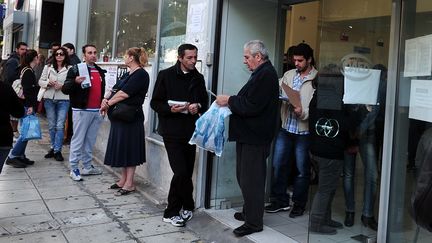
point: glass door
(413, 119)
(352, 59)
(240, 23)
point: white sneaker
(186, 215)
(91, 171)
(175, 220)
(75, 175)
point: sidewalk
(42, 204)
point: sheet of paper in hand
(175, 102)
(83, 72)
(293, 96)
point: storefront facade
(360, 35)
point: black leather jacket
(77, 95)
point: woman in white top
(55, 101)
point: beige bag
(41, 94)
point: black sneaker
(58, 156)
(50, 154)
(276, 207)
(15, 162)
(296, 211)
(26, 161)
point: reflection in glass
(173, 31)
(137, 26)
(101, 25)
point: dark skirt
(126, 144)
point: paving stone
(71, 203)
(105, 178)
(176, 237)
(111, 232)
(48, 173)
(133, 211)
(22, 208)
(111, 200)
(151, 226)
(15, 185)
(19, 195)
(39, 237)
(100, 188)
(52, 182)
(61, 192)
(29, 224)
(82, 217)
(8, 175)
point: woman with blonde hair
(126, 142)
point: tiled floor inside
(279, 227)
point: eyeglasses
(59, 54)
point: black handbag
(122, 111)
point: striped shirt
(292, 119)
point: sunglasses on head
(59, 54)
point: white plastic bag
(209, 129)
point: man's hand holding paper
(293, 96)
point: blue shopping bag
(30, 128)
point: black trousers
(251, 176)
(181, 156)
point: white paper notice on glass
(196, 18)
(420, 105)
(83, 72)
(361, 85)
(418, 56)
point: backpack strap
(23, 71)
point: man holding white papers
(85, 85)
(179, 96)
(293, 136)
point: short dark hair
(69, 45)
(87, 45)
(28, 58)
(304, 50)
(19, 44)
(183, 47)
(55, 44)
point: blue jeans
(286, 144)
(20, 146)
(56, 111)
(369, 159)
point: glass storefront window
(412, 123)
(101, 24)
(172, 35)
(172, 31)
(352, 58)
(137, 26)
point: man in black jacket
(11, 66)
(179, 96)
(85, 101)
(252, 125)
